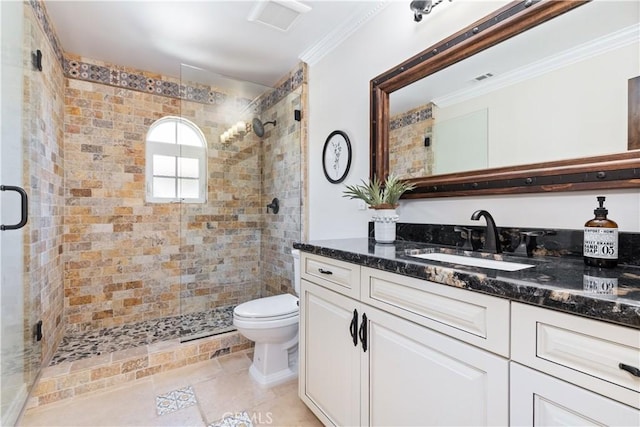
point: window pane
(164, 165)
(164, 132)
(188, 136)
(188, 167)
(189, 188)
(176, 157)
(164, 187)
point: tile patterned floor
(80, 345)
(237, 420)
(174, 400)
(216, 392)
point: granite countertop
(559, 283)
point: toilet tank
(296, 270)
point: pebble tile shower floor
(80, 345)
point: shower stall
(98, 268)
(233, 248)
(177, 268)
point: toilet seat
(265, 313)
(269, 308)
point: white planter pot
(384, 225)
(386, 250)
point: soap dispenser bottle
(601, 239)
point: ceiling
(158, 36)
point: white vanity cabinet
(382, 349)
(365, 365)
(568, 370)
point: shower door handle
(24, 207)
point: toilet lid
(275, 306)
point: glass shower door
(15, 337)
(220, 238)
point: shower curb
(72, 379)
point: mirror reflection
(557, 91)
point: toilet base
(273, 379)
(275, 363)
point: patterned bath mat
(239, 419)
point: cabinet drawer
(582, 351)
(333, 274)
(475, 318)
(542, 400)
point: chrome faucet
(491, 239)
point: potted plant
(383, 197)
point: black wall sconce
(423, 7)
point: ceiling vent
(279, 14)
(483, 77)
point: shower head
(258, 126)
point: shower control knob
(274, 206)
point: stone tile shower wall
(220, 251)
(282, 151)
(129, 261)
(43, 109)
(408, 155)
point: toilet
(272, 323)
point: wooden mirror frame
(587, 173)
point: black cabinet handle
(353, 328)
(632, 370)
(24, 207)
(363, 332)
(323, 271)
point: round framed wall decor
(336, 156)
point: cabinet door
(420, 377)
(329, 361)
(538, 399)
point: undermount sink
(473, 261)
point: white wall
(339, 99)
(540, 111)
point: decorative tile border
(95, 71)
(175, 400)
(411, 117)
(41, 15)
(141, 81)
(292, 82)
(240, 419)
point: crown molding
(315, 53)
(612, 41)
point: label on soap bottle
(600, 242)
(600, 285)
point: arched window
(176, 162)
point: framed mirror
(538, 96)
